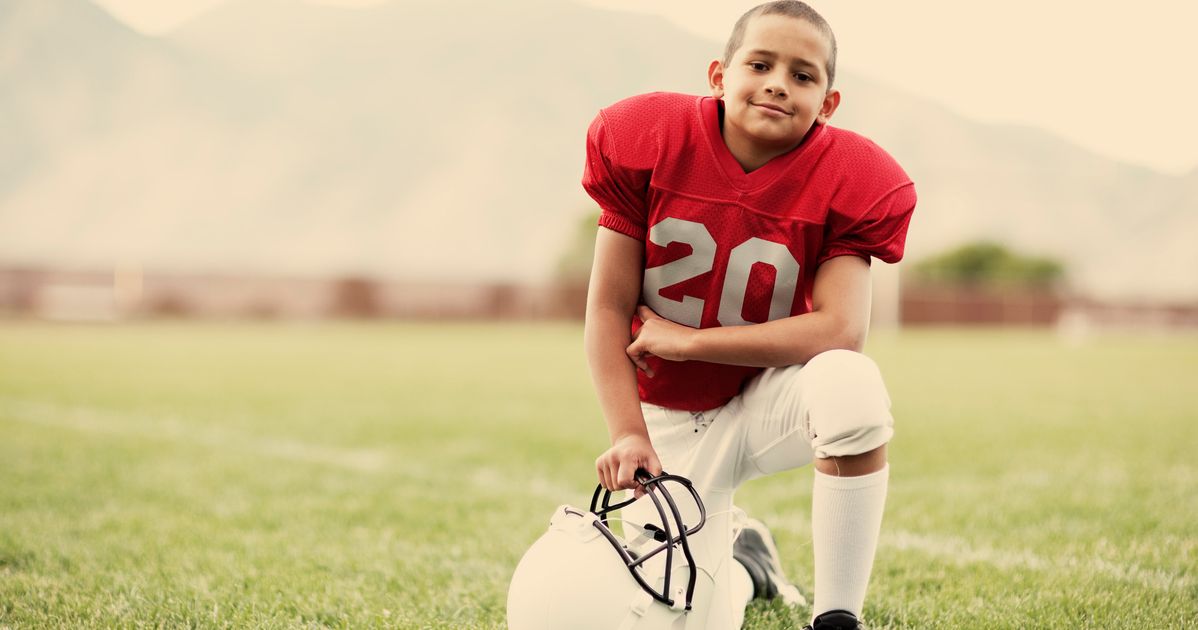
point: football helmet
(582, 574)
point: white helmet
(583, 576)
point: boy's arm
(839, 318)
(612, 298)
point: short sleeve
(880, 231)
(620, 191)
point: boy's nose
(775, 84)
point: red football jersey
(726, 248)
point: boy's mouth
(770, 109)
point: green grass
(342, 475)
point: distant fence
(964, 305)
(131, 294)
(126, 294)
(939, 305)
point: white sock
(742, 590)
(846, 518)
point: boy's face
(775, 86)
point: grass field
(391, 475)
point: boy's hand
(659, 337)
(617, 466)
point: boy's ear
(831, 102)
(715, 78)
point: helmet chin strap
(649, 531)
(640, 605)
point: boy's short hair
(789, 8)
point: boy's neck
(749, 156)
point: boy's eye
(802, 77)
(757, 65)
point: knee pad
(846, 406)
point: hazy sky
(1119, 81)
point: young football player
(736, 233)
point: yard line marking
(494, 480)
(174, 429)
(961, 552)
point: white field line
(957, 550)
(961, 552)
(176, 430)
(492, 480)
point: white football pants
(834, 405)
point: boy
(735, 235)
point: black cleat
(755, 549)
(836, 620)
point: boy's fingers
(624, 476)
(638, 358)
(644, 367)
(633, 351)
(607, 477)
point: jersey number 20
(736, 280)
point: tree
(574, 266)
(986, 263)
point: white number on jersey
(736, 280)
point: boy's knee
(847, 406)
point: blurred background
(291, 291)
(283, 159)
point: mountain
(110, 130)
(1116, 225)
(419, 139)
(54, 55)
